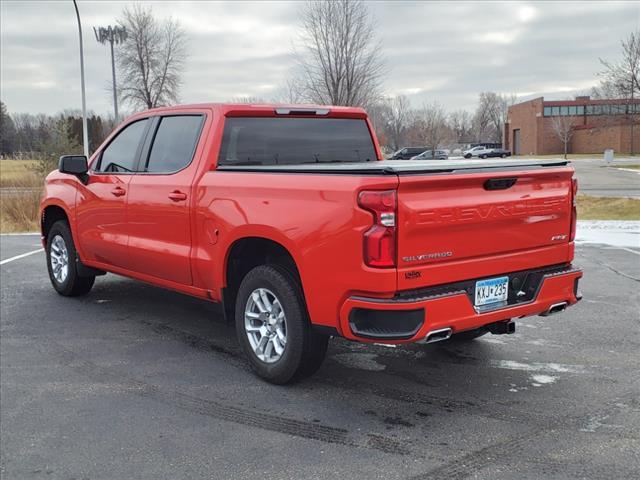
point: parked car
(484, 152)
(479, 151)
(499, 152)
(407, 153)
(431, 155)
(290, 220)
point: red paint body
(176, 231)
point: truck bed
(401, 167)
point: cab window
(121, 154)
(174, 143)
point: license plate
(492, 290)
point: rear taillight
(380, 239)
(574, 210)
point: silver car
(431, 155)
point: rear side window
(174, 143)
(295, 141)
(122, 153)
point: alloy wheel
(265, 324)
(59, 258)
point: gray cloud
(443, 51)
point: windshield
(295, 141)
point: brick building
(596, 125)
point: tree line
(29, 136)
(397, 124)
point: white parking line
(628, 250)
(18, 234)
(628, 170)
(18, 257)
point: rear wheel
(62, 261)
(273, 327)
(503, 155)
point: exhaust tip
(555, 308)
(438, 335)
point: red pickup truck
(290, 217)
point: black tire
(483, 156)
(305, 349)
(503, 155)
(468, 335)
(72, 285)
(467, 155)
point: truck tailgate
(466, 216)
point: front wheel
(62, 262)
(483, 156)
(273, 327)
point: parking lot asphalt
(599, 180)
(133, 381)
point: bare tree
(563, 129)
(491, 115)
(461, 125)
(378, 113)
(340, 61)
(247, 100)
(621, 79)
(291, 93)
(150, 61)
(481, 123)
(397, 117)
(431, 122)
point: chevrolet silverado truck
(289, 218)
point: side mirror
(73, 164)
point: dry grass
(21, 173)
(606, 208)
(634, 166)
(19, 212)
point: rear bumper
(410, 316)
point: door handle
(118, 191)
(177, 196)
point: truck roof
(269, 109)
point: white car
(480, 151)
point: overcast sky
(435, 51)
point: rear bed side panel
(451, 228)
(314, 216)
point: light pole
(112, 35)
(85, 130)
